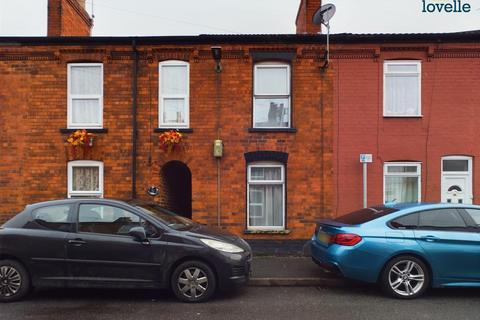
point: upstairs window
(85, 95)
(402, 89)
(85, 179)
(174, 94)
(271, 97)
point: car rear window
(365, 215)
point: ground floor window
(402, 182)
(266, 196)
(85, 179)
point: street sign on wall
(366, 158)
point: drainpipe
(217, 56)
(219, 161)
(134, 118)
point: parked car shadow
(371, 290)
(133, 295)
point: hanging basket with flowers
(170, 140)
(80, 141)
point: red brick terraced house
(271, 134)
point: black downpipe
(134, 119)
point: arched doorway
(177, 180)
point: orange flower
(80, 138)
(169, 139)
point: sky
(192, 17)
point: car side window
(475, 215)
(52, 218)
(409, 221)
(106, 219)
(441, 219)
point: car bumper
(234, 271)
(351, 262)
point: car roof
(428, 205)
(75, 200)
(407, 205)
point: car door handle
(429, 238)
(76, 242)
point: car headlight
(222, 246)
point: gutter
(134, 118)
(206, 39)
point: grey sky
(191, 17)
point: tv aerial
(323, 16)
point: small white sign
(366, 157)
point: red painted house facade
(288, 131)
(413, 107)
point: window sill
(420, 116)
(184, 130)
(287, 130)
(67, 130)
(274, 232)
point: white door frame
(468, 174)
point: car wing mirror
(139, 234)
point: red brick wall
(34, 109)
(448, 126)
(305, 14)
(68, 18)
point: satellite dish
(324, 14)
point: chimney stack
(305, 15)
(68, 18)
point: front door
(455, 189)
(457, 180)
(101, 251)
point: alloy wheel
(10, 281)
(406, 278)
(192, 282)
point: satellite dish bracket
(323, 16)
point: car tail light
(346, 239)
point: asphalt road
(351, 302)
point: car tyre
(193, 281)
(405, 277)
(14, 281)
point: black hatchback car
(109, 243)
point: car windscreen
(365, 215)
(167, 217)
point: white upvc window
(271, 96)
(174, 91)
(402, 182)
(266, 196)
(85, 95)
(402, 94)
(85, 179)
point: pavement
(291, 271)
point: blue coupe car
(406, 248)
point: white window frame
(418, 175)
(265, 95)
(162, 96)
(70, 98)
(468, 158)
(386, 74)
(85, 163)
(264, 182)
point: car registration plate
(324, 237)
